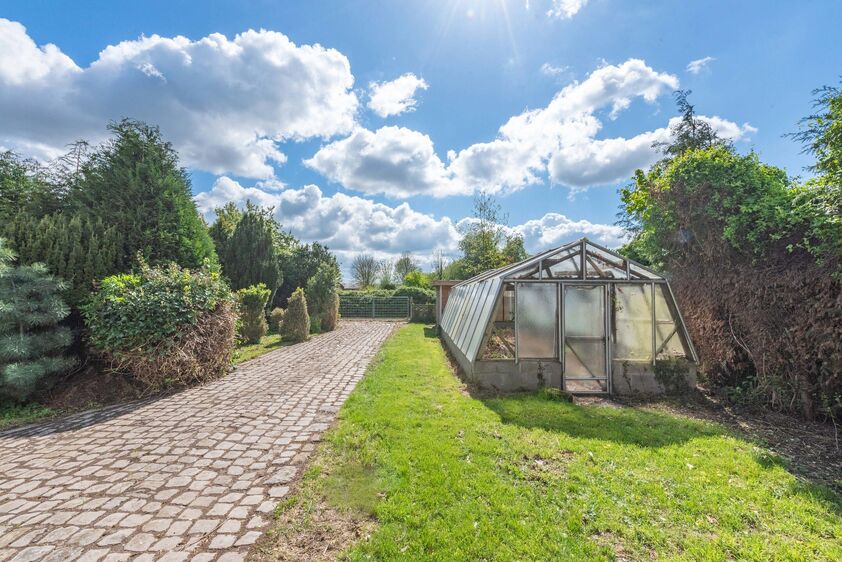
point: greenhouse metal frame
(583, 317)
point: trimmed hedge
(166, 326)
(253, 301)
(296, 325)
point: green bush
(253, 301)
(296, 325)
(416, 278)
(417, 294)
(276, 318)
(331, 315)
(164, 325)
(32, 346)
(321, 287)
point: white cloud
(553, 70)
(696, 66)
(555, 229)
(351, 225)
(563, 132)
(566, 9)
(224, 103)
(558, 141)
(395, 97)
(396, 161)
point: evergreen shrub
(253, 301)
(296, 325)
(32, 344)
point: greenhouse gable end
(579, 317)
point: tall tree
(134, 183)
(250, 254)
(364, 270)
(387, 274)
(821, 135)
(227, 218)
(485, 244)
(405, 264)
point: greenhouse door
(585, 339)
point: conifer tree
(250, 254)
(32, 345)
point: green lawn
(250, 351)
(14, 414)
(438, 475)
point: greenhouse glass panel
(602, 265)
(668, 341)
(536, 320)
(583, 311)
(471, 321)
(464, 311)
(639, 272)
(633, 322)
(564, 264)
(486, 310)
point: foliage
(296, 326)
(138, 310)
(25, 188)
(227, 218)
(88, 215)
(386, 269)
(321, 288)
(330, 316)
(436, 473)
(417, 294)
(691, 132)
(251, 256)
(417, 278)
(821, 135)
(276, 317)
(364, 270)
(299, 262)
(134, 184)
(19, 414)
(405, 265)
(485, 244)
(75, 247)
(165, 325)
(756, 263)
(252, 305)
(32, 345)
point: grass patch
(416, 469)
(17, 414)
(266, 344)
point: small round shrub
(331, 314)
(276, 317)
(166, 326)
(253, 301)
(296, 325)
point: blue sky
(480, 63)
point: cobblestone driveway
(194, 476)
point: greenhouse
(580, 317)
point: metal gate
(374, 307)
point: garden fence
(374, 307)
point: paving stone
(199, 471)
